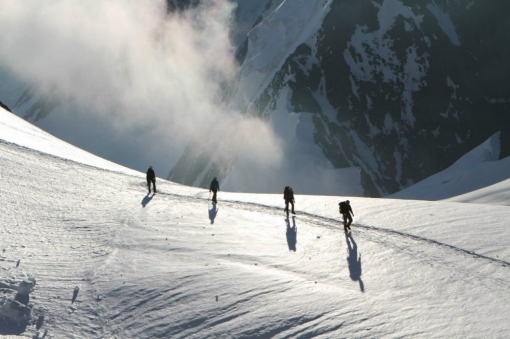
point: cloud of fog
(135, 66)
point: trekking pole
(209, 197)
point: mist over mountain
(359, 97)
(399, 89)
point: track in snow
(337, 224)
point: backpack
(286, 192)
(343, 207)
(150, 174)
(215, 184)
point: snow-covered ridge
(17, 131)
(445, 22)
(110, 261)
(275, 38)
(476, 177)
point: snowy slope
(17, 131)
(475, 171)
(173, 266)
(497, 194)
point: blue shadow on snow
(353, 261)
(291, 234)
(212, 213)
(146, 200)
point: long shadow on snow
(354, 261)
(291, 234)
(146, 200)
(212, 213)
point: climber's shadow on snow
(146, 200)
(212, 213)
(353, 261)
(291, 234)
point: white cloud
(131, 63)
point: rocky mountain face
(400, 89)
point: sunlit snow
(110, 261)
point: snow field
(175, 266)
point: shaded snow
(274, 39)
(476, 170)
(497, 194)
(445, 22)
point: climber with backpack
(215, 187)
(151, 178)
(345, 211)
(288, 196)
